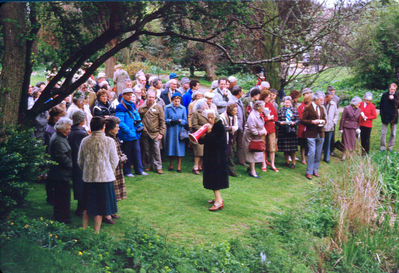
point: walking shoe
(129, 175)
(109, 221)
(143, 173)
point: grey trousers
(238, 142)
(151, 152)
(383, 141)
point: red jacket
(301, 127)
(370, 112)
(269, 124)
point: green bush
(388, 165)
(22, 159)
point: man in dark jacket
(61, 173)
(389, 115)
(168, 92)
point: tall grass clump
(366, 237)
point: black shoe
(254, 176)
(292, 166)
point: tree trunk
(210, 62)
(111, 62)
(13, 64)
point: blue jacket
(186, 100)
(127, 130)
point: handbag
(183, 135)
(290, 130)
(257, 145)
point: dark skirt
(287, 142)
(99, 198)
(349, 139)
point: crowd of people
(99, 133)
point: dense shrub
(135, 67)
(375, 47)
(388, 166)
(22, 159)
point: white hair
(200, 105)
(172, 80)
(356, 100)
(232, 79)
(62, 124)
(214, 84)
(258, 104)
(318, 95)
(265, 84)
(207, 112)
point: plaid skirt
(287, 143)
(119, 183)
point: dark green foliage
(22, 158)
(388, 164)
(376, 49)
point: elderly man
(168, 92)
(187, 97)
(232, 82)
(61, 173)
(389, 116)
(238, 136)
(130, 129)
(153, 118)
(184, 85)
(314, 118)
(157, 86)
(306, 92)
(208, 96)
(332, 116)
(100, 78)
(264, 86)
(222, 95)
(120, 77)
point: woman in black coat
(61, 173)
(75, 137)
(215, 162)
(103, 107)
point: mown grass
(176, 204)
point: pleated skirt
(99, 198)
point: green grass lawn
(175, 204)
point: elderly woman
(111, 130)
(349, 126)
(366, 120)
(55, 114)
(254, 130)
(197, 121)
(61, 173)
(230, 122)
(102, 107)
(215, 169)
(78, 103)
(98, 159)
(270, 116)
(75, 137)
(197, 95)
(176, 120)
(287, 134)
